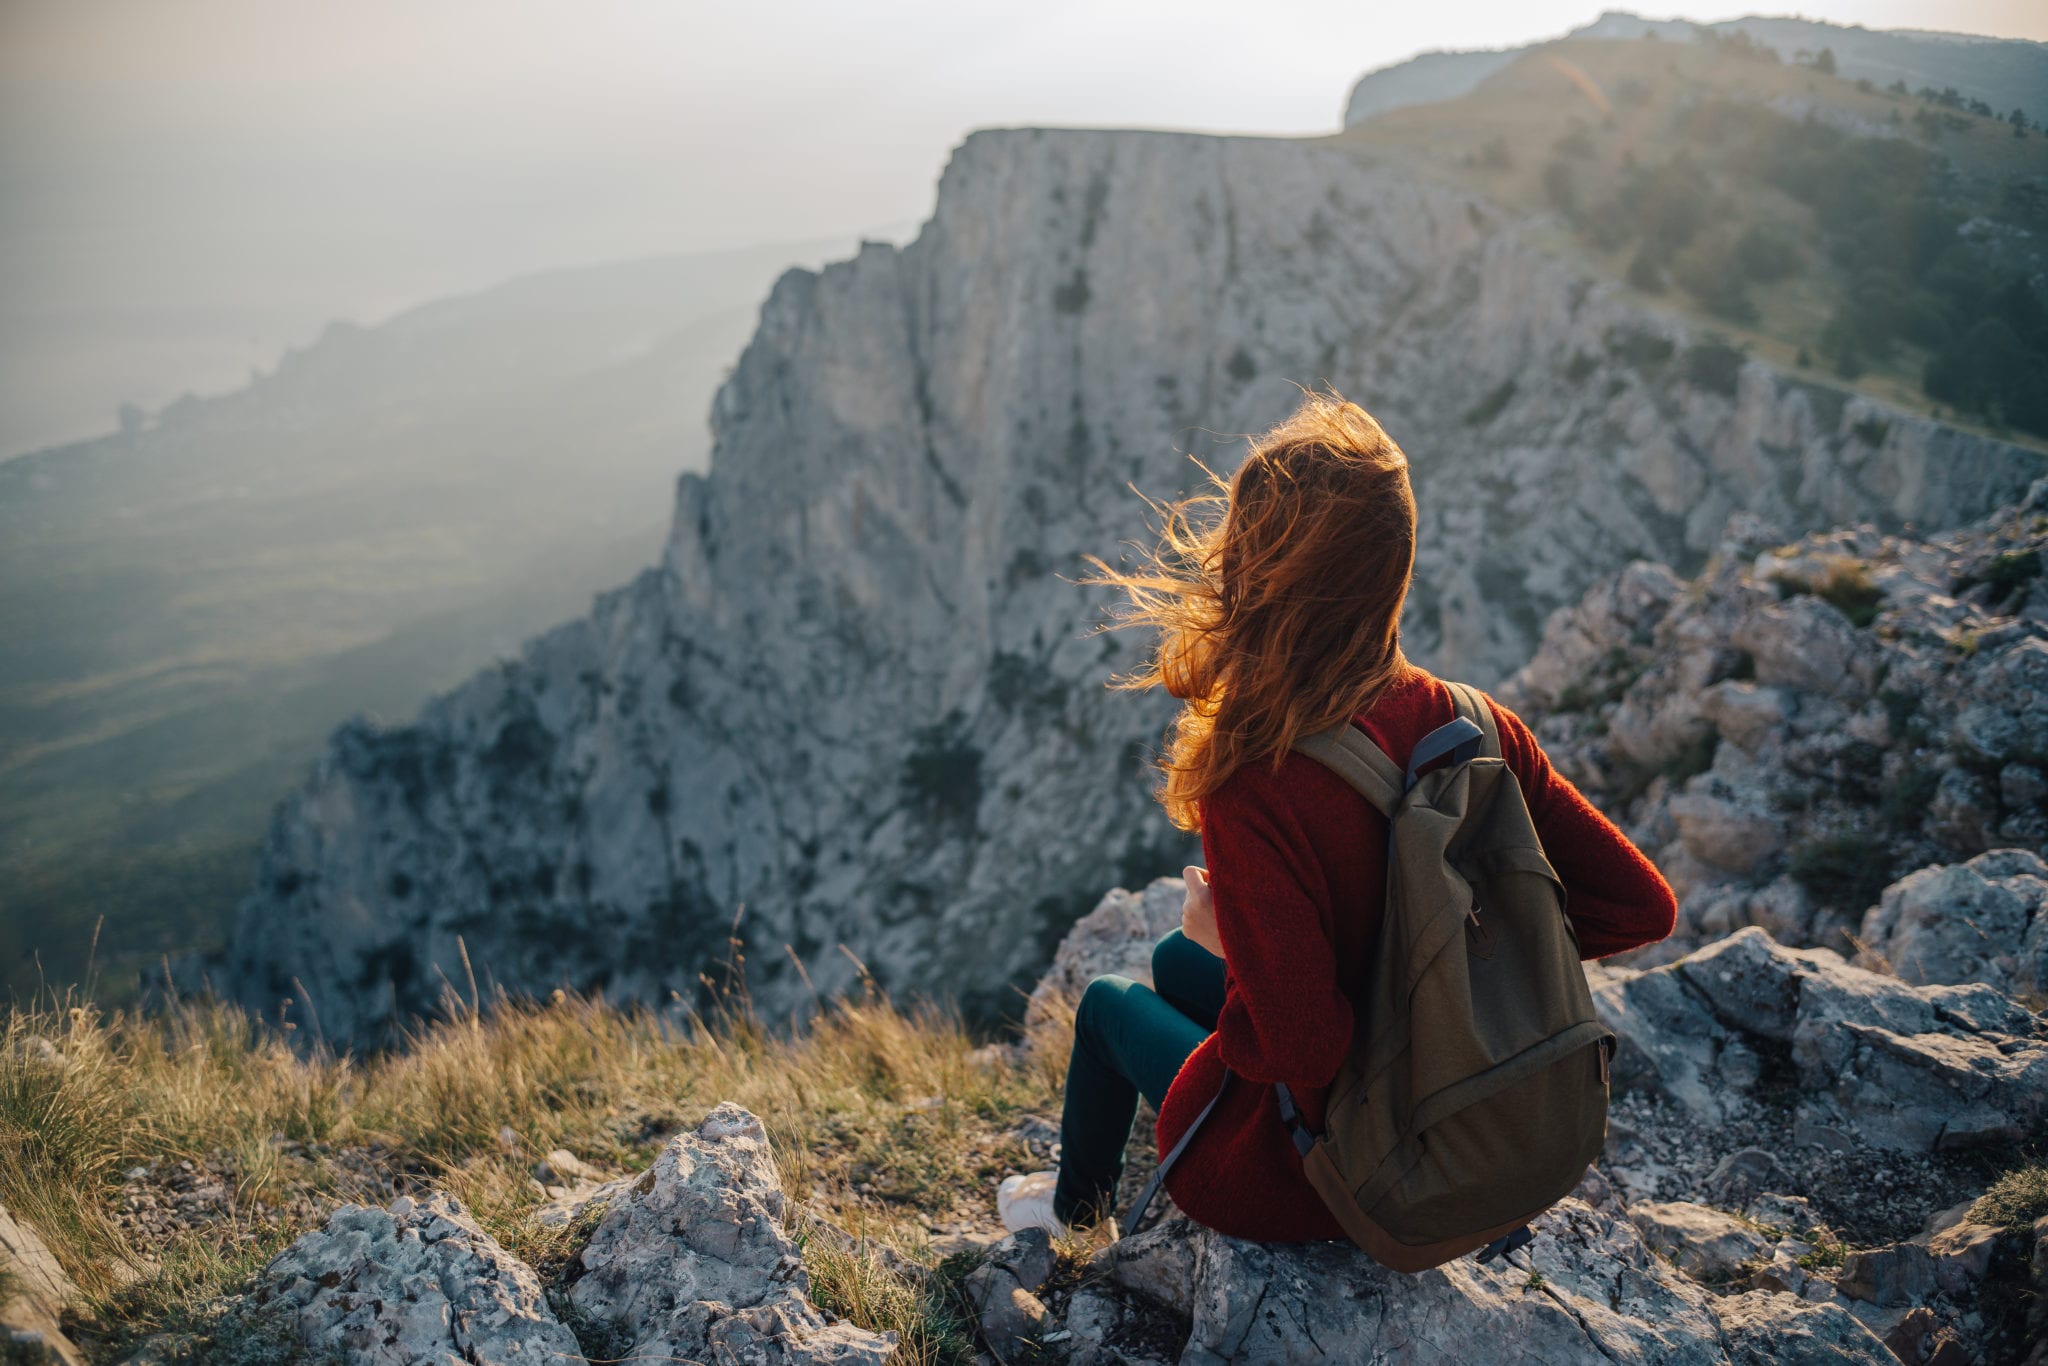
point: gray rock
(887, 737)
(1009, 1316)
(1845, 755)
(418, 1282)
(1115, 937)
(1951, 1260)
(1027, 1256)
(1877, 1058)
(1741, 1177)
(1702, 1242)
(1984, 921)
(1766, 1329)
(563, 1168)
(572, 1204)
(691, 1259)
(1588, 1289)
(33, 1294)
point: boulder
(1116, 936)
(1951, 1261)
(1892, 1066)
(417, 1282)
(1767, 1329)
(691, 1260)
(33, 1293)
(1981, 921)
(1704, 1243)
(1588, 1289)
(1009, 1316)
(563, 1169)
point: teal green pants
(1129, 1040)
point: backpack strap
(1472, 706)
(1348, 752)
(1131, 1220)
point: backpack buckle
(1478, 938)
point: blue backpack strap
(1130, 1223)
(1458, 738)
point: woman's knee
(1100, 997)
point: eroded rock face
(859, 695)
(1811, 720)
(1878, 1063)
(1588, 1289)
(691, 1261)
(418, 1282)
(1981, 921)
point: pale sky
(187, 186)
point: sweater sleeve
(1285, 1018)
(1616, 898)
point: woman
(1278, 605)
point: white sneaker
(1026, 1202)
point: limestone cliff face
(860, 696)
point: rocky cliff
(1811, 719)
(859, 697)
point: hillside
(2004, 72)
(1890, 242)
(569, 1180)
(860, 697)
(194, 603)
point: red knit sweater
(1297, 860)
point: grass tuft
(885, 1120)
(2015, 1200)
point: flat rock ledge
(1589, 1289)
(689, 1262)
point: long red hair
(1276, 594)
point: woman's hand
(1198, 912)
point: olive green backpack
(1475, 1093)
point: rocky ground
(1826, 1143)
(1810, 721)
(1795, 1161)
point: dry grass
(885, 1120)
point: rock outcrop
(1810, 720)
(1981, 921)
(691, 1261)
(1588, 1289)
(416, 1282)
(33, 1293)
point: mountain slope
(393, 505)
(2007, 73)
(859, 699)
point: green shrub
(1714, 365)
(2015, 1199)
(2005, 573)
(1696, 758)
(1850, 590)
(1842, 872)
(1489, 408)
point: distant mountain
(191, 605)
(2006, 73)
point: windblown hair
(1276, 594)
